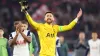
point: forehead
(82, 33)
(94, 33)
(24, 24)
(49, 14)
(1, 29)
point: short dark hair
(24, 22)
(94, 32)
(81, 32)
(16, 22)
(48, 12)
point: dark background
(64, 10)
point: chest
(3, 42)
(20, 39)
(94, 45)
(19, 35)
(48, 31)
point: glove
(24, 6)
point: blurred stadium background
(64, 11)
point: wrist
(26, 12)
(17, 34)
(76, 20)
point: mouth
(49, 19)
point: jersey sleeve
(31, 22)
(28, 33)
(35, 44)
(67, 27)
(10, 36)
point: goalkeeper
(47, 32)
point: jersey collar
(46, 24)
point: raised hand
(79, 14)
(81, 42)
(17, 30)
(24, 6)
(20, 28)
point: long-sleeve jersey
(4, 47)
(33, 45)
(47, 35)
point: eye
(50, 15)
(47, 15)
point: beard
(49, 21)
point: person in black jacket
(81, 45)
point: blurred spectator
(65, 11)
(94, 45)
(4, 46)
(20, 39)
(33, 45)
(63, 49)
(80, 45)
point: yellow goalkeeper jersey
(47, 35)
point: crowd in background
(64, 11)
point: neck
(49, 23)
(94, 39)
(82, 39)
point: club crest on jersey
(50, 35)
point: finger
(17, 28)
(19, 25)
(20, 3)
(80, 9)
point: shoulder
(76, 41)
(41, 23)
(57, 38)
(98, 40)
(12, 35)
(27, 32)
(13, 32)
(56, 25)
(89, 41)
(5, 39)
